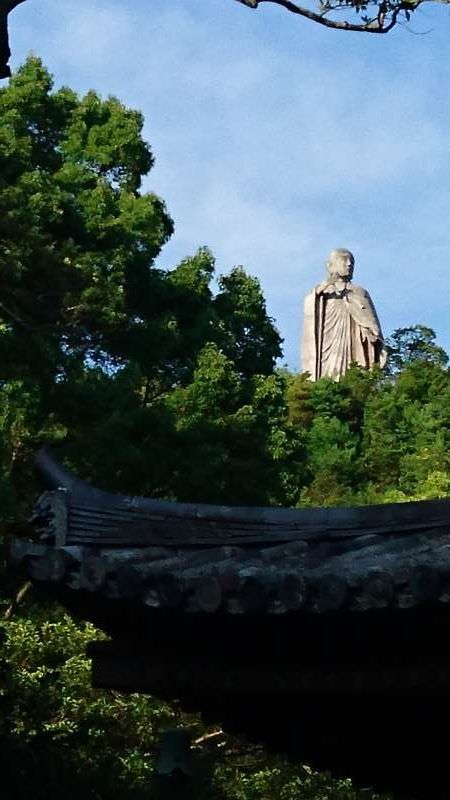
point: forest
(165, 383)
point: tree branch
(382, 24)
(14, 316)
(385, 18)
(6, 6)
(207, 737)
(17, 600)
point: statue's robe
(340, 328)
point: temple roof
(333, 619)
(228, 561)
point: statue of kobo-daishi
(340, 324)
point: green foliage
(260, 778)
(103, 336)
(416, 343)
(234, 432)
(371, 438)
(63, 739)
(59, 736)
(74, 230)
(249, 335)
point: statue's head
(341, 264)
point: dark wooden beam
(103, 519)
(118, 667)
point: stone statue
(340, 325)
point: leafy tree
(385, 437)
(416, 343)
(75, 238)
(332, 415)
(103, 336)
(62, 738)
(59, 736)
(249, 336)
(372, 439)
(76, 235)
(235, 443)
(332, 452)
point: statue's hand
(372, 336)
(325, 288)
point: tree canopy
(96, 343)
(416, 343)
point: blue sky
(277, 140)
